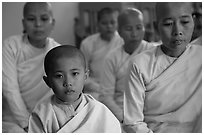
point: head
(197, 16)
(107, 23)
(174, 23)
(131, 27)
(38, 21)
(66, 72)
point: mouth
(178, 42)
(68, 92)
(39, 32)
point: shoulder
(14, 40)
(115, 55)
(13, 44)
(93, 102)
(42, 107)
(90, 39)
(144, 58)
(52, 43)
(196, 50)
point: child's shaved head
(62, 51)
(122, 18)
(29, 5)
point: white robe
(22, 86)
(113, 77)
(95, 50)
(162, 91)
(86, 116)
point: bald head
(63, 51)
(35, 6)
(129, 12)
(165, 8)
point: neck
(172, 53)
(107, 38)
(37, 43)
(130, 48)
(74, 103)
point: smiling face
(175, 25)
(66, 78)
(38, 21)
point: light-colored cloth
(90, 116)
(95, 50)
(197, 41)
(164, 93)
(113, 77)
(22, 86)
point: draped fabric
(23, 84)
(113, 77)
(164, 101)
(90, 117)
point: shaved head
(63, 51)
(31, 5)
(163, 7)
(122, 18)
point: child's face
(107, 25)
(38, 22)
(67, 78)
(175, 25)
(132, 30)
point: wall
(64, 13)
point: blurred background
(74, 20)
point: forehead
(173, 10)
(37, 8)
(131, 19)
(68, 62)
(108, 16)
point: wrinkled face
(175, 25)
(107, 25)
(38, 22)
(132, 30)
(67, 78)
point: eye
(75, 73)
(184, 22)
(128, 28)
(58, 75)
(30, 19)
(139, 27)
(168, 24)
(45, 19)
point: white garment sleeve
(108, 83)
(10, 85)
(134, 102)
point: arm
(108, 89)
(10, 86)
(134, 102)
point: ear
(53, 22)
(86, 74)
(45, 78)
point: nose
(67, 82)
(177, 31)
(134, 32)
(38, 22)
